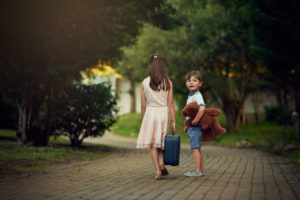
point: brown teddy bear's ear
(194, 106)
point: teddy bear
(209, 125)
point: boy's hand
(195, 122)
(185, 129)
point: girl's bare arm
(171, 106)
(143, 101)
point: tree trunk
(285, 98)
(243, 115)
(237, 122)
(255, 102)
(45, 138)
(75, 142)
(297, 99)
(233, 122)
(118, 86)
(132, 96)
(41, 135)
(23, 124)
(229, 120)
(279, 97)
(233, 116)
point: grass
(295, 157)
(129, 125)
(262, 134)
(15, 157)
(6, 134)
(265, 135)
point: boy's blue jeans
(195, 135)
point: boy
(193, 82)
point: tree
(129, 72)
(134, 63)
(222, 51)
(275, 33)
(152, 39)
(8, 114)
(44, 45)
(214, 38)
(84, 110)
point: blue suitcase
(172, 150)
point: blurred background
(73, 68)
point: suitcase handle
(172, 132)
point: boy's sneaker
(202, 172)
(194, 173)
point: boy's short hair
(193, 73)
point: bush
(278, 114)
(8, 114)
(84, 110)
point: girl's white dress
(156, 118)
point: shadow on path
(128, 174)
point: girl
(156, 105)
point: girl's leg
(161, 157)
(163, 168)
(155, 159)
(197, 158)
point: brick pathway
(129, 174)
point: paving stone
(129, 174)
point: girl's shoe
(164, 170)
(158, 176)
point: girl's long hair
(157, 73)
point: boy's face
(193, 83)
